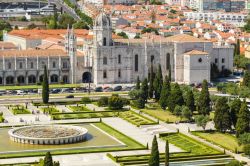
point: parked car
(108, 89)
(118, 88)
(70, 96)
(98, 89)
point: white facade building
(236, 19)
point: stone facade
(104, 60)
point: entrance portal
(86, 77)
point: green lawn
(226, 141)
(135, 118)
(83, 115)
(19, 109)
(79, 108)
(49, 110)
(190, 145)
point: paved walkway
(92, 159)
(94, 107)
(138, 134)
(62, 108)
(5, 111)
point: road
(5, 100)
(60, 4)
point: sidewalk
(138, 134)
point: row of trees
(170, 95)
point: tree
(234, 110)
(81, 25)
(144, 89)
(244, 139)
(222, 119)
(165, 92)
(175, 97)
(103, 101)
(65, 20)
(177, 110)
(201, 121)
(48, 161)
(167, 154)
(45, 90)
(237, 47)
(151, 82)
(186, 113)
(242, 124)
(246, 149)
(204, 100)
(158, 81)
(123, 35)
(246, 79)
(189, 100)
(138, 83)
(4, 25)
(115, 102)
(154, 159)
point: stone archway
(86, 77)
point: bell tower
(103, 30)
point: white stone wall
(220, 53)
(195, 71)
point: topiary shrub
(103, 101)
(115, 102)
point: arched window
(104, 41)
(152, 58)
(54, 78)
(119, 73)
(65, 79)
(136, 62)
(168, 61)
(9, 80)
(31, 79)
(104, 74)
(31, 65)
(9, 65)
(54, 65)
(21, 79)
(41, 78)
(119, 59)
(20, 65)
(105, 60)
(65, 65)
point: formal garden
(18, 109)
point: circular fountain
(48, 134)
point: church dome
(102, 20)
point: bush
(244, 138)
(103, 101)
(234, 163)
(115, 102)
(86, 100)
(125, 101)
(246, 149)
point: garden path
(92, 159)
(138, 134)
